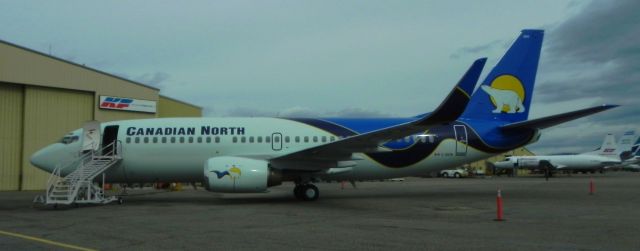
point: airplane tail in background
(507, 91)
(609, 148)
(626, 141)
(626, 144)
(636, 148)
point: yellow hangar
(44, 97)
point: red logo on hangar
(118, 103)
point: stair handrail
(75, 182)
(54, 178)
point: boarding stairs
(79, 186)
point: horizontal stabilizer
(544, 122)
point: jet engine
(239, 175)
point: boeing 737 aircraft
(609, 154)
(245, 155)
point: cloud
(156, 79)
(597, 52)
(594, 55)
(305, 112)
(480, 49)
(298, 111)
(248, 112)
(354, 112)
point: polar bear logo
(504, 98)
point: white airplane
(245, 155)
(632, 162)
(609, 154)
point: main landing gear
(306, 192)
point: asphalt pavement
(415, 214)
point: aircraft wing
(449, 110)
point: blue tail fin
(507, 91)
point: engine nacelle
(239, 175)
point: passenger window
(243, 139)
(297, 139)
(137, 140)
(259, 139)
(146, 140)
(276, 139)
(306, 139)
(286, 139)
(235, 139)
(217, 139)
(181, 139)
(332, 138)
(190, 139)
(315, 138)
(267, 139)
(164, 140)
(208, 139)
(173, 139)
(199, 139)
(155, 140)
(324, 139)
(128, 140)
(251, 139)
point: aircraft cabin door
(110, 136)
(91, 136)
(462, 142)
(276, 141)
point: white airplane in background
(632, 162)
(609, 154)
(246, 155)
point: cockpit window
(69, 139)
(507, 159)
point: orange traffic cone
(499, 207)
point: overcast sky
(348, 58)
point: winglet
(456, 102)
(544, 122)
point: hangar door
(49, 114)
(11, 97)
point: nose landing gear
(306, 192)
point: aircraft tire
(309, 192)
(456, 175)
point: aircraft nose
(42, 159)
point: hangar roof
(180, 101)
(78, 65)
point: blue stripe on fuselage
(487, 132)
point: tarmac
(415, 214)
